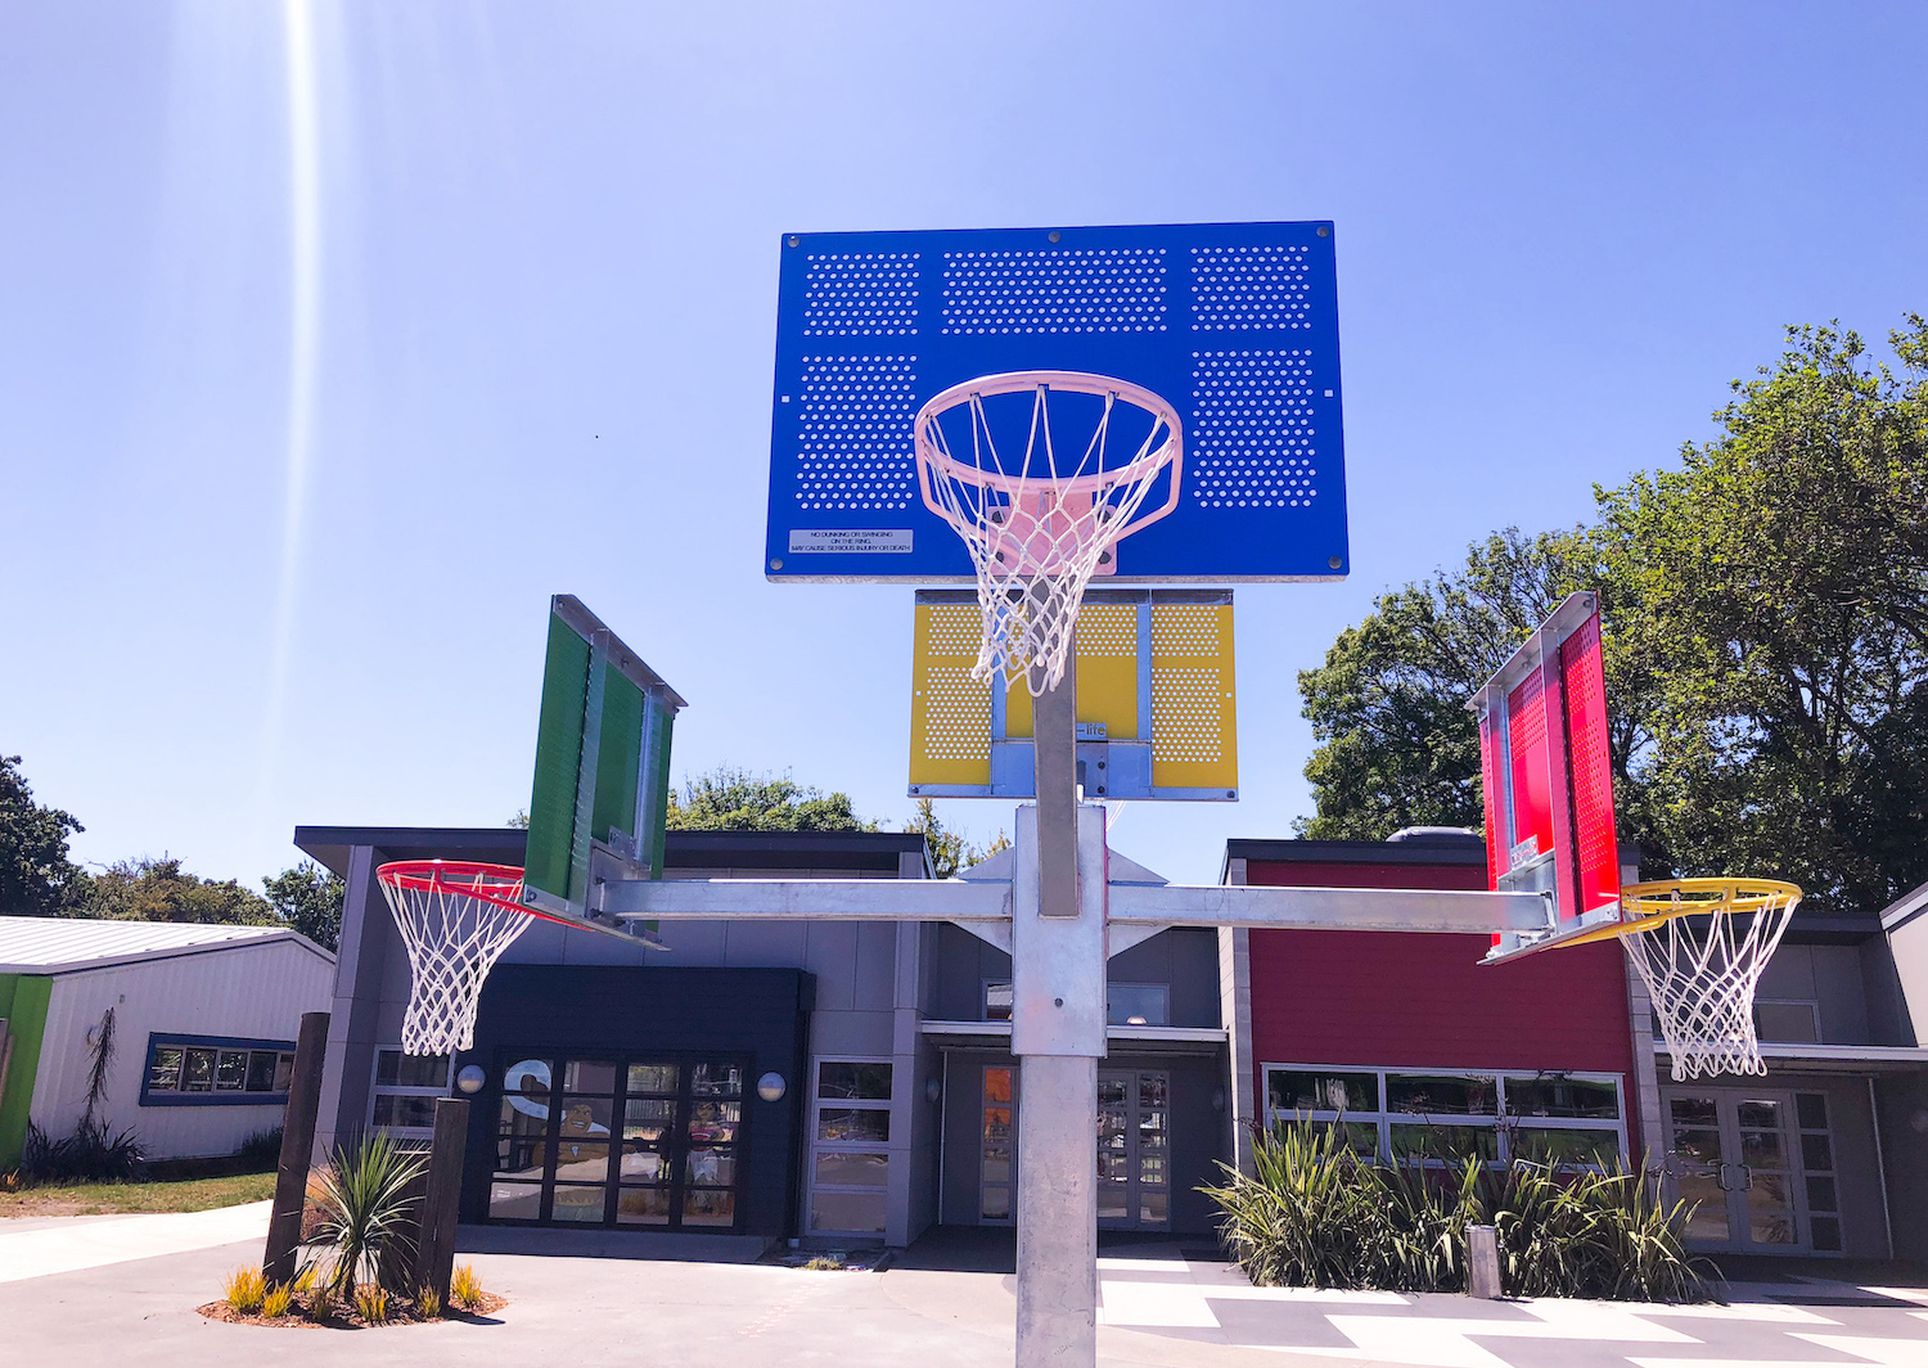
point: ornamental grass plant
(1313, 1213)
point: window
(1138, 1004)
(1817, 1164)
(1126, 1004)
(402, 1100)
(849, 1146)
(997, 1000)
(1793, 1022)
(1436, 1115)
(189, 1071)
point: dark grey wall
(1185, 960)
(761, 1014)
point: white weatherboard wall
(256, 991)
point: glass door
(997, 1146)
(634, 1143)
(1134, 1127)
(1730, 1152)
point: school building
(836, 1084)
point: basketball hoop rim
(1167, 453)
(455, 876)
(1649, 906)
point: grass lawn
(97, 1199)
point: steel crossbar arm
(887, 900)
(1329, 909)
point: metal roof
(60, 945)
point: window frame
(377, 1089)
(1814, 1013)
(214, 1095)
(1504, 1123)
(816, 1145)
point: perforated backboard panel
(602, 762)
(1548, 770)
(1235, 325)
(1157, 716)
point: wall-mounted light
(771, 1087)
(932, 1089)
(1218, 1099)
(469, 1079)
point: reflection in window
(854, 1080)
(850, 1133)
(1138, 1004)
(402, 1101)
(234, 1072)
(1441, 1116)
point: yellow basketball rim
(1649, 906)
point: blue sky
(334, 339)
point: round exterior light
(469, 1080)
(771, 1087)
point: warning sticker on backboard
(854, 541)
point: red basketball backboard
(1548, 774)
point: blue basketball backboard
(1235, 325)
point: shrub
(246, 1288)
(465, 1288)
(277, 1301)
(428, 1303)
(1312, 1213)
(371, 1303)
(90, 1155)
(306, 1277)
(262, 1149)
(367, 1210)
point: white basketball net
(1701, 967)
(455, 920)
(1041, 520)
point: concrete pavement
(1165, 1306)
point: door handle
(1747, 1177)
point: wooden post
(297, 1149)
(435, 1255)
(1483, 1262)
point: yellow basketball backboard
(1156, 714)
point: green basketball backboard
(602, 766)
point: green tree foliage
(1778, 584)
(1766, 613)
(37, 878)
(732, 799)
(308, 899)
(1396, 746)
(950, 851)
(160, 890)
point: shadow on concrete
(612, 1244)
(1818, 1282)
(994, 1249)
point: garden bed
(339, 1316)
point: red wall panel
(1389, 998)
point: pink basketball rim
(934, 458)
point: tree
(37, 877)
(308, 899)
(732, 799)
(1766, 643)
(148, 889)
(950, 852)
(1780, 589)
(1396, 746)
